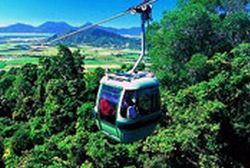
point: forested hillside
(99, 37)
(201, 54)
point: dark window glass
(108, 103)
(145, 102)
(140, 103)
(129, 105)
(156, 100)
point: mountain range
(100, 37)
(63, 27)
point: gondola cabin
(128, 106)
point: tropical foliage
(200, 53)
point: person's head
(133, 100)
(130, 98)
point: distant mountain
(18, 28)
(48, 27)
(55, 27)
(62, 27)
(133, 31)
(99, 37)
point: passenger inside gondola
(140, 103)
(129, 107)
(108, 103)
(106, 108)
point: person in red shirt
(106, 109)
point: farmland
(20, 49)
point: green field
(14, 54)
(94, 57)
(4, 46)
(2, 65)
(22, 61)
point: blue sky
(75, 12)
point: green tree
(181, 34)
(92, 80)
(193, 29)
(209, 119)
(19, 94)
(1, 152)
(221, 6)
(60, 107)
(21, 141)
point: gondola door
(108, 107)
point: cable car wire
(88, 27)
(100, 22)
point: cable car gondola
(128, 104)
